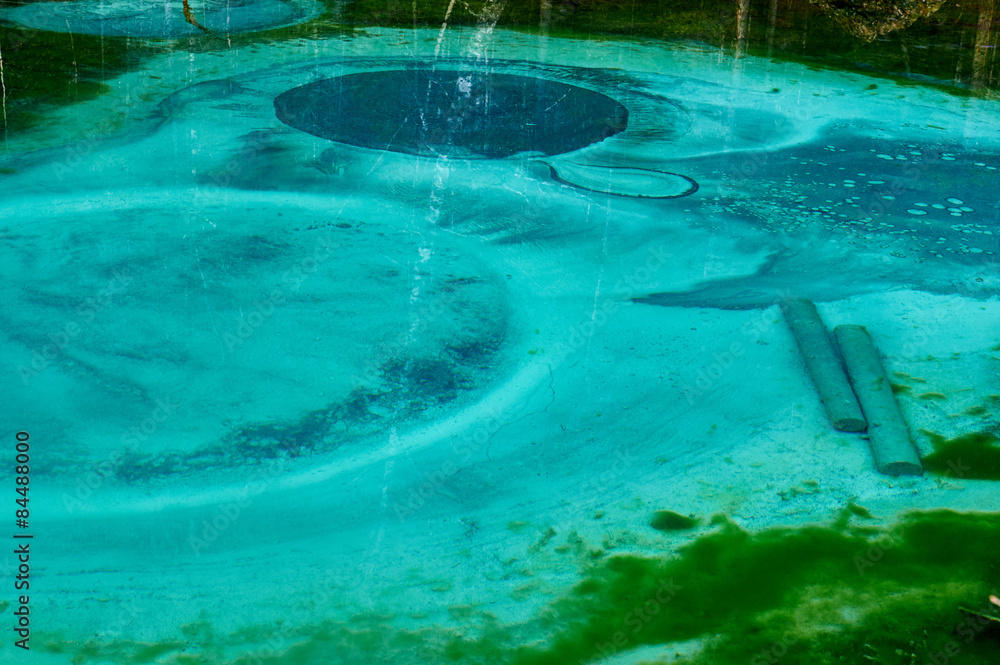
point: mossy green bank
(814, 595)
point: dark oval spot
(668, 520)
(464, 114)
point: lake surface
(343, 332)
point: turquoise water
(349, 340)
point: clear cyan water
(332, 339)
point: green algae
(786, 585)
(847, 513)
(859, 511)
(816, 594)
(47, 69)
(125, 652)
(668, 520)
(517, 526)
(975, 455)
(44, 69)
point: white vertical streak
(444, 26)
(3, 97)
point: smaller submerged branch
(189, 17)
(982, 615)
